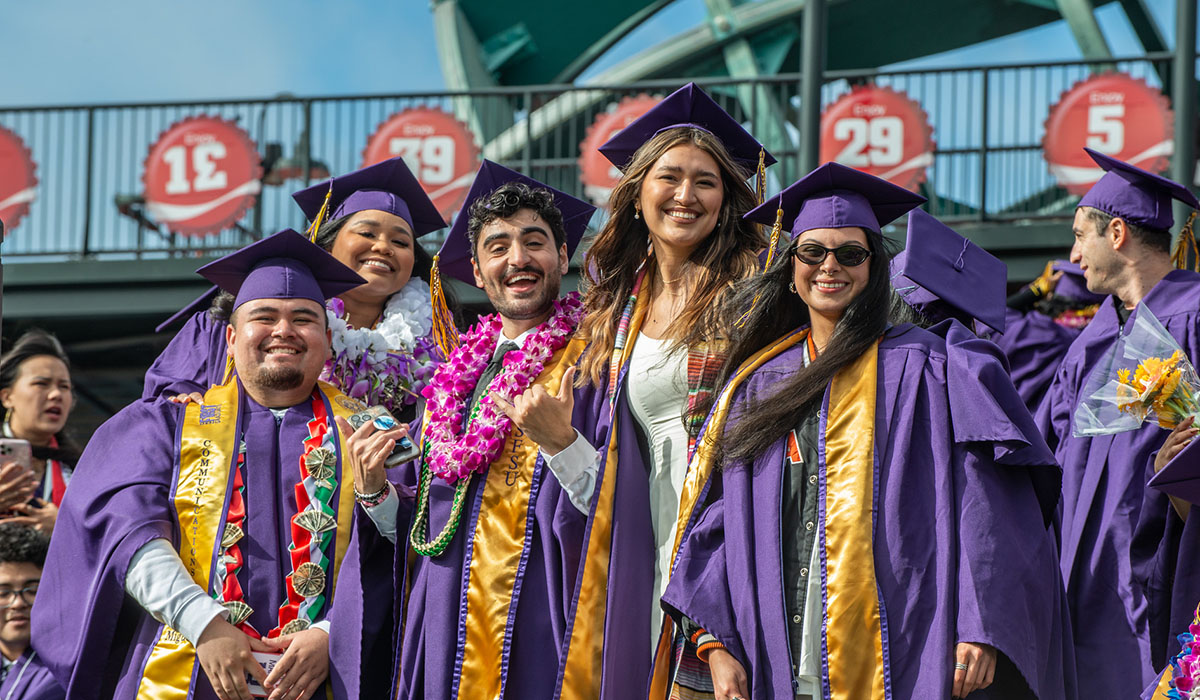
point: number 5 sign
(879, 131)
(1115, 114)
(437, 148)
(201, 176)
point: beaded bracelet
(370, 500)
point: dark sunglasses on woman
(850, 255)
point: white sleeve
(159, 583)
(575, 468)
(384, 514)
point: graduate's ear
(564, 259)
(230, 337)
(6, 397)
(1117, 233)
(476, 272)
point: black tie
(489, 373)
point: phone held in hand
(266, 659)
(16, 450)
(404, 451)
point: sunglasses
(850, 255)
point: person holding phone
(36, 458)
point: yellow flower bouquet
(1144, 377)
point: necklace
(391, 363)
(454, 450)
(313, 532)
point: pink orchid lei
(1185, 667)
(451, 454)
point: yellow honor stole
(207, 457)
(497, 546)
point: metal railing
(987, 124)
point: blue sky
(77, 51)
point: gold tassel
(1186, 246)
(315, 226)
(1043, 284)
(445, 334)
(761, 183)
(776, 230)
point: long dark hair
(777, 312)
(610, 268)
(222, 304)
(33, 343)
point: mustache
(530, 269)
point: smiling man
(23, 676)
(199, 534)
(1118, 583)
(492, 517)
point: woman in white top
(658, 268)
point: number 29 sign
(438, 149)
(879, 131)
(1115, 114)
(201, 176)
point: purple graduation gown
(430, 592)
(1104, 481)
(95, 638)
(1034, 345)
(962, 553)
(193, 361)
(29, 679)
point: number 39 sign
(878, 131)
(1115, 114)
(437, 148)
(201, 175)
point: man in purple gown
(1122, 243)
(195, 535)
(23, 676)
(486, 597)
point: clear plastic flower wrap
(1144, 378)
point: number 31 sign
(202, 174)
(879, 131)
(437, 148)
(1115, 114)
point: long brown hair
(728, 254)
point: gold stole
(585, 641)
(207, 455)
(498, 542)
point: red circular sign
(1115, 114)
(201, 175)
(18, 182)
(598, 175)
(879, 131)
(438, 149)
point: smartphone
(266, 659)
(404, 451)
(16, 450)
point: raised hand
(545, 418)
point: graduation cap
(942, 273)
(285, 265)
(687, 106)
(1135, 195)
(1181, 477)
(835, 196)
(454, 258)
(1073, 285)
(386, 186)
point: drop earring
(792, 286)
(637, 211)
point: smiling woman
(382, 352)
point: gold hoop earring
(792, 286)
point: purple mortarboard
(835, 196)
(454, 259)
(687, 106)
(283, 266)
(1135, 195)
(940, 265)
(1073, 285)
(1181, 477)
(387, 186)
